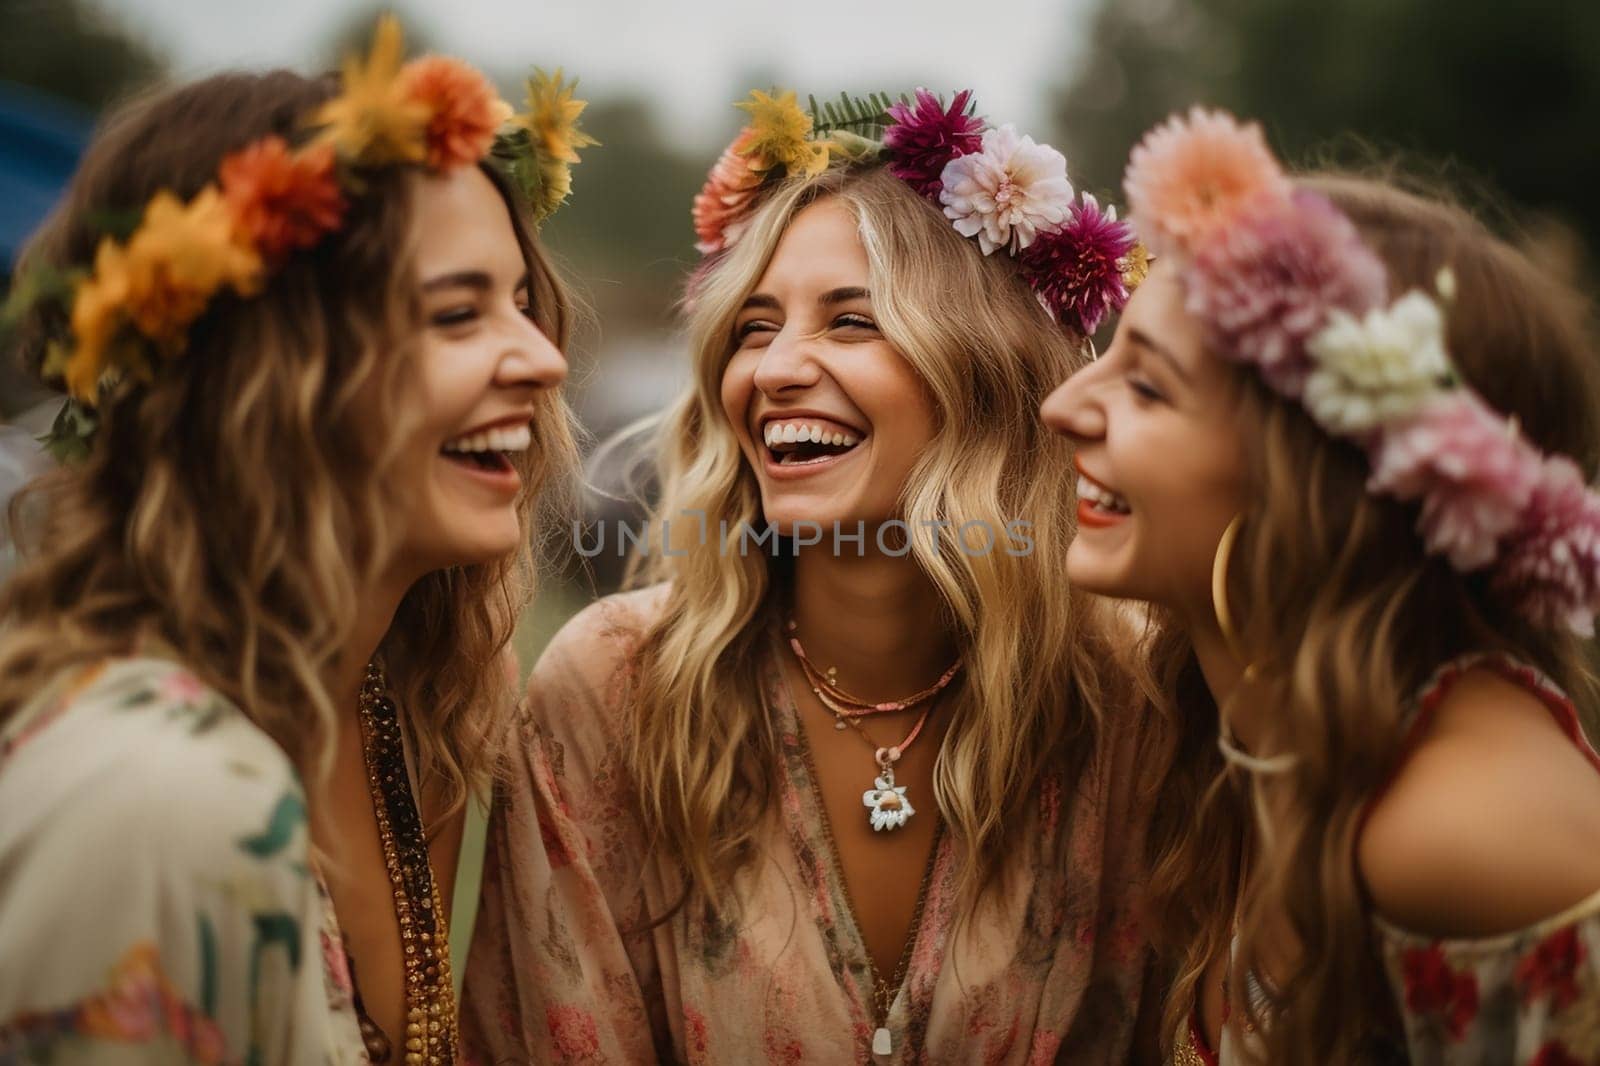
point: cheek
(737, 388)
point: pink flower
(1551, 572)
(1190, 177)
(573, 1031)
(722, 207)
(1076, 268)
(1267, 284)
(924, 138)
(1007, 191)
(1473, 474)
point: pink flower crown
(132, 309)
(993, 184)
(1285, 283)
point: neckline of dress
(813, 829)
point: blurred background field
(1500, 102)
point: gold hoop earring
(1219, 587)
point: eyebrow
(827, 299)
(471, 279)
(1149, 343)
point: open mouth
(1100, 500)
(805, 441)
(490, 451)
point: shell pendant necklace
(888, 807)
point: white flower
(888, 804)
(1007, 191)
(1372, 370)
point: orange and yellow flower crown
(132, 309)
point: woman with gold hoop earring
(1341, 444)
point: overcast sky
(691, 57)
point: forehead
(820, 250)
(1156, 310)
(462, 223)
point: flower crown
(132, 309)
(992, 184)
(1285, 284)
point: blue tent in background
(40, 141)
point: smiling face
(481, 364)
(1159, 454)
(828, 414)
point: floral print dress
(157, 902)
(1525, 998)
(566, 969)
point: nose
(1074, 409)
(786, 363)
(530, 360)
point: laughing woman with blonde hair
(852, 778)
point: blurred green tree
(1509, 93)
(74, 50)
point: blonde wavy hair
(1345, 618)
(701, 745)
(233, 509)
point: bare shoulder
(1491, 825)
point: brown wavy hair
(1345, 617)
(232, 509)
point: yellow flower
(552, 117)
(178, 259)
(781, 129)
(1135, 266)
(375, 121)
(159, 283)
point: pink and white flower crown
(1285, 284)
(993, 184)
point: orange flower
(282, 200)
(729, 190)
(463, 107)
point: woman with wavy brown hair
(1342, 443)
(851, 779)
(251, 687)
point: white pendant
(888, 804)
(882, 1042)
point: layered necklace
(886, 802)
(431, 1035)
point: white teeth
(775, 433)
(498, 439)
(1100, 496)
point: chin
(1094, 574)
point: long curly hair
(1345, 617)
(700, 745)
(233, 508)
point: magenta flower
(1266, 284)
(1076, 268)
(924, 137)
(1473, 475)
(1551, 572)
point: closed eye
(458, 315)
(755, 325)
(853, 321)
(1146, 391)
